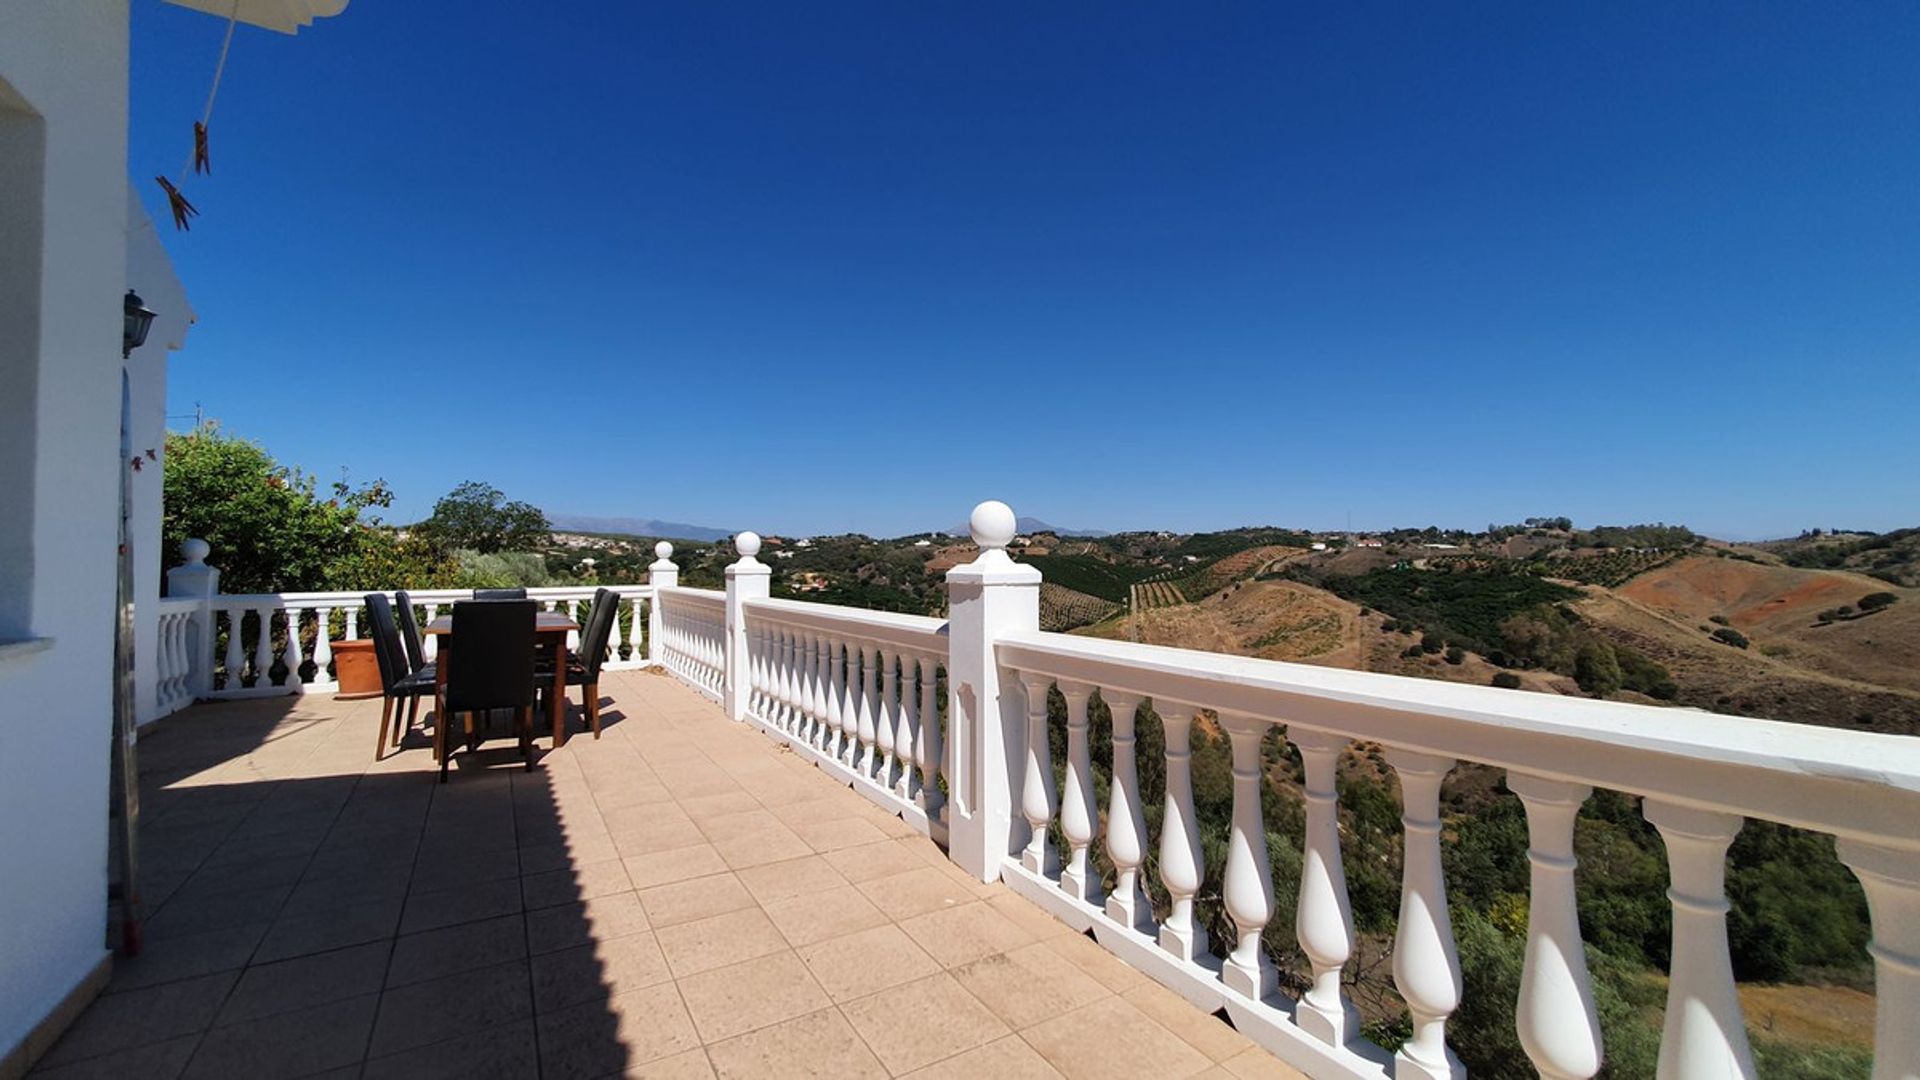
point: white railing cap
(919, 633)
(1844, 782)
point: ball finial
(663, 550)
(195, 550)
(747, 544)
(993, 525)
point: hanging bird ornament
(199, 162)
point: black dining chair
(489, 666)
(583, 668)
(398, 682)
(410, 634)
(499, 594)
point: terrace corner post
(986, 716)
(194, 578)
(747, 579)
(661, 575)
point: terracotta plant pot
(357, 668)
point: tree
(1876, 601)
(1727, 635)
(270, 529)
(478, 516)
(1597, 669)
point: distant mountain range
(625, 526)
(1035, 525)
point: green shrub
(1597, 669)
(1729, 636)
(1876, 601)
(1718, 620)
(1506, 680)
(1456, 654)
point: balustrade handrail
(1794, 774)
(712, 598)
(425, 596)
(917, 633)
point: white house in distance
(73, 241)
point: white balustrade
(857, 693)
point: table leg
(558, 707)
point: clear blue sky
(823, 267)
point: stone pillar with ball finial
(987, 719)
(747, 579)
(663, 574)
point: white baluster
(1705, 1035)
(909, 720)
(850, 706)
(322, 644)
(1891, 878)
(1247, 882)
(1426, 967)
(789, 682)
(1182, 865)
(296, 654)
(929, 748)
(1324, 917)
(430, 647)
(1126, 819)
(616, 636)
(263, 651)
(816, 692)
(886, 719)
(573, 635)
(869, 712)
(236, 657)
(1077, 813)
(352, 613)
(1036, 788)
(835, 687)
(1556, 1019)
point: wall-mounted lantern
(139, 321)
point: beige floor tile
(961, 935)
(461, 904)
(423, 1013)
(915, 892)
(1026, 914)
(744, 997)
(1112, 1038)
(804, 920)
(689, 1065)
(602, 969)
(707, 807)
(601, 1038)
(822, 1044)
(674, 864)
(922, 1022)
(1203, 1031)
(776, 844)
(307, 981)
(773, 882)
(1089, 956)
(716, 942)
(870, 861)
(1257, 1063)
(573, 884)
(453, 949)
(156, 1061)
(504, 1051)
(138, 1017)
(657, 836)
(867, 962)
(839, 833)
(1008, 1058)
(1029, 984)
(698, 898)
(290, 1044)
(577, 924)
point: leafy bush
(1727, 635)
(1719, 620)
(1876, 601)
(1597, 669)
(1506, 680)
(1456, 655)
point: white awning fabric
(286, 16)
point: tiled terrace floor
(681, 898)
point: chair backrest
(499, 594)
(491, 664)
(386, 641)
(410, 631)
(599, 630)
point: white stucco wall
(67, 63)
(149, 273)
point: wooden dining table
(550, 628)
